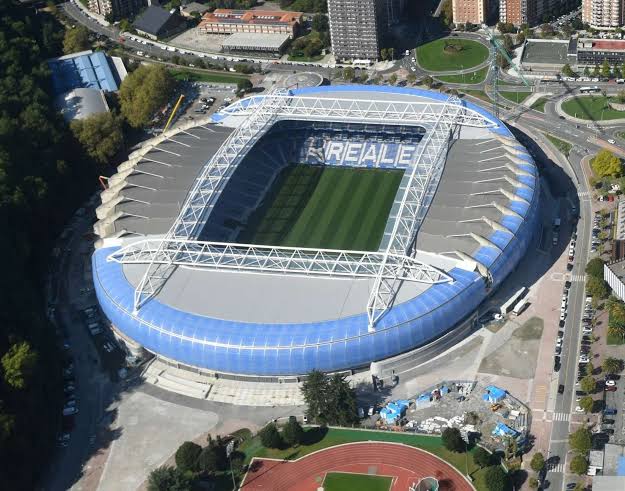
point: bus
(588, 90)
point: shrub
(453, 440)
(187, 456)
(270, 437)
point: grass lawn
(591, 107)
(433, 56)
(563, 146)
(468, 78)
(193, 76)
(539, 105)
(305, 58)
(614, 339)
(325, 207)
(340, 481)
(517, 97)
(479, 94)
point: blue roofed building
(79, 81)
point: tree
(167, 478)
(384, 54)
(187, 456)
(100, 134)
(143, 92)
(538, 462)
(348, 73)
(605, 69)
(586, 71)
(581, 440)
(612, 365)
(587, 403)
(605, 163)
(292, 432)
(452, 440)
(411, 78)
(213, 457)
(392, 79)
(320, 23)
(341, 407)
(505, 27)
(126, 26)
(588, 384)
(270, 437)
(314, 393)
(495, 478)
(520, 37)
(76, 39)
(533, 483)
(508, 43)
(18, 364)
(595, 267)
(243, 85)
(579, 465)
(428, 81)
(567, 71)
(597, 288)
(482, 457)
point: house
(156, 22)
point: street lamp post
(229, 450)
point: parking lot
(203, 99)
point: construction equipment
(171, 116)
(496, 47)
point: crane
(496, 47)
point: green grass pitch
(325, 207)
(339, 481)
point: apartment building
(116, 9)
(473, 11)
(603, 14)
(357, 28)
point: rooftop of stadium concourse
(148, 190)
(472, 202)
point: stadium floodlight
(389, 268)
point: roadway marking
(557, 276)
(560, 416)
(557, 468)
(578, 277)
(540, 394)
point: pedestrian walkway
(578, 277)
(560, 417)
(240, 393)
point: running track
(406, 464)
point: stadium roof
(254, 40)
(145, 199)
(85, 69)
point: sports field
(325, 207)
(342, 481)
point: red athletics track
(406, 464)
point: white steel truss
(389, 268)
(428, 165)
(225, 256)
(358, 110)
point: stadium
(320, 228)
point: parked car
(610, 383)
(560, 389)
(610, 388)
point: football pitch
(339, 481)
(325, 207)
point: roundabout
(447, 54)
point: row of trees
(44, 175)
(596, 286)
(313, 44)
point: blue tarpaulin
(504, 430)
(494, 394)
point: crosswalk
(584, 194)
(559, 467)
(578, 277)
(560, 417)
